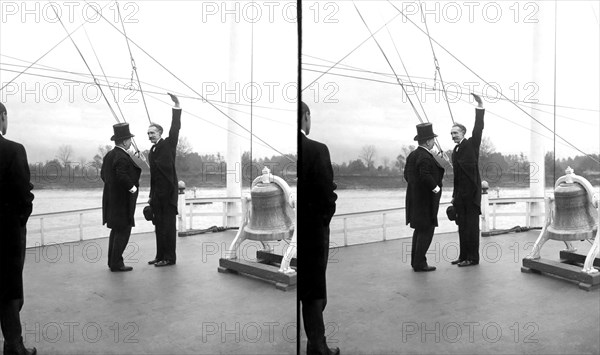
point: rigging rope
(189, 87)
(86, 64)
(133, 66)
(50, 50)
(437, 143)
(437, 64)
(498, 91)
(104, 74)
(96, 80)
(347, 55)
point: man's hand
(175, 99)
(478, 100)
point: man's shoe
(164, 263)
(457, 261)
(22, 351)
(122, 268)
(18, 349)
(152, 262)
(424, 269)
(323, 349)
(467, 263)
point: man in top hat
(316, 207)
(15, 208)
(466, 196)
(424, 176)
(163, 187)
(121, 176)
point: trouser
(314, 326)
(11, 322)
(117, 242)
(420, 244)
(467, 218)
(165, 219)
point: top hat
(425, 131)
(121, 132)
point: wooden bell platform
(265, 268)
(569, 267)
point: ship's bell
(574, 215)
(270, 216)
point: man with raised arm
(164, 187)
(466, 196)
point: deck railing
(387, 223)
(86, 223)
(384, 221)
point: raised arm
(175, 122)
(478, 126)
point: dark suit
(164, 190)
(422, 173)
(316, 206)
(467, 190)
(119, 173)
(15, 208)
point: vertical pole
(239, 53)
(384, 231)
(543, 64)
(485, 207)
(345, 234)
(181, 207)
(494, 219)
(191, 215)
(42, 230)
(80, 227)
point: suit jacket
(422, 173)
(163, 177)
(119, 173)
(316, 206)
(465, 160)
(15, 208)
(15, 186)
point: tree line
(494, 166)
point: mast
(543, 75)
(233, 93)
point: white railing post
(42, 230)
(225, 209)
(345, 233)
(191, 215)
(181, 207)
(81, 227)
(528, 214)
(485, 207)
(384, 229)
(494, 212)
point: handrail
(186, 216)
(385, 224)
(188, 213)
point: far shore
(343, 182)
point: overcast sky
(494, 39)
(206, 44)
